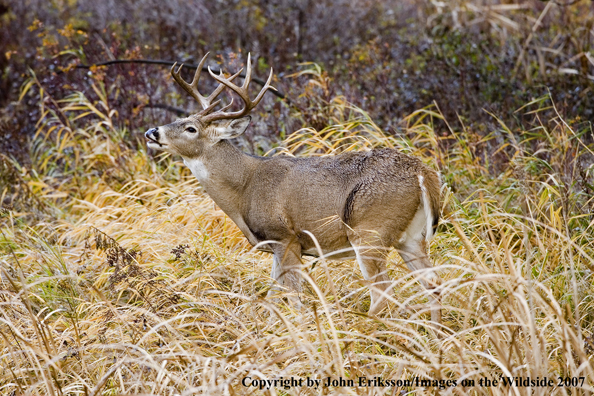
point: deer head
(190, 136)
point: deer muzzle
(153, 136)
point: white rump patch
(198, 169)
(415, 232)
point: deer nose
(154, 132)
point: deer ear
(229, 129)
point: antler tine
(248, 73)
(242, 92)
(227, 106)
(199, 71)
(192, 88)
(187, 87)
(266, 87)
(221, 87)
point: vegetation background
(118, 275)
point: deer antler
(192, 88)
(241, 91)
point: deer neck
(226, 172)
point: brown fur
(353, 204)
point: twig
(171, 63)
(529, 39)
(566, 4)
(178, 111)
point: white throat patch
(198, 169)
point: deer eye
(191, 129)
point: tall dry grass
(124, 277)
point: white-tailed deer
(356, 205)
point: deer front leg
(286, 269)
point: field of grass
(119, 275)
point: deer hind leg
(414, 253)
(286, 269)
(371, 256)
